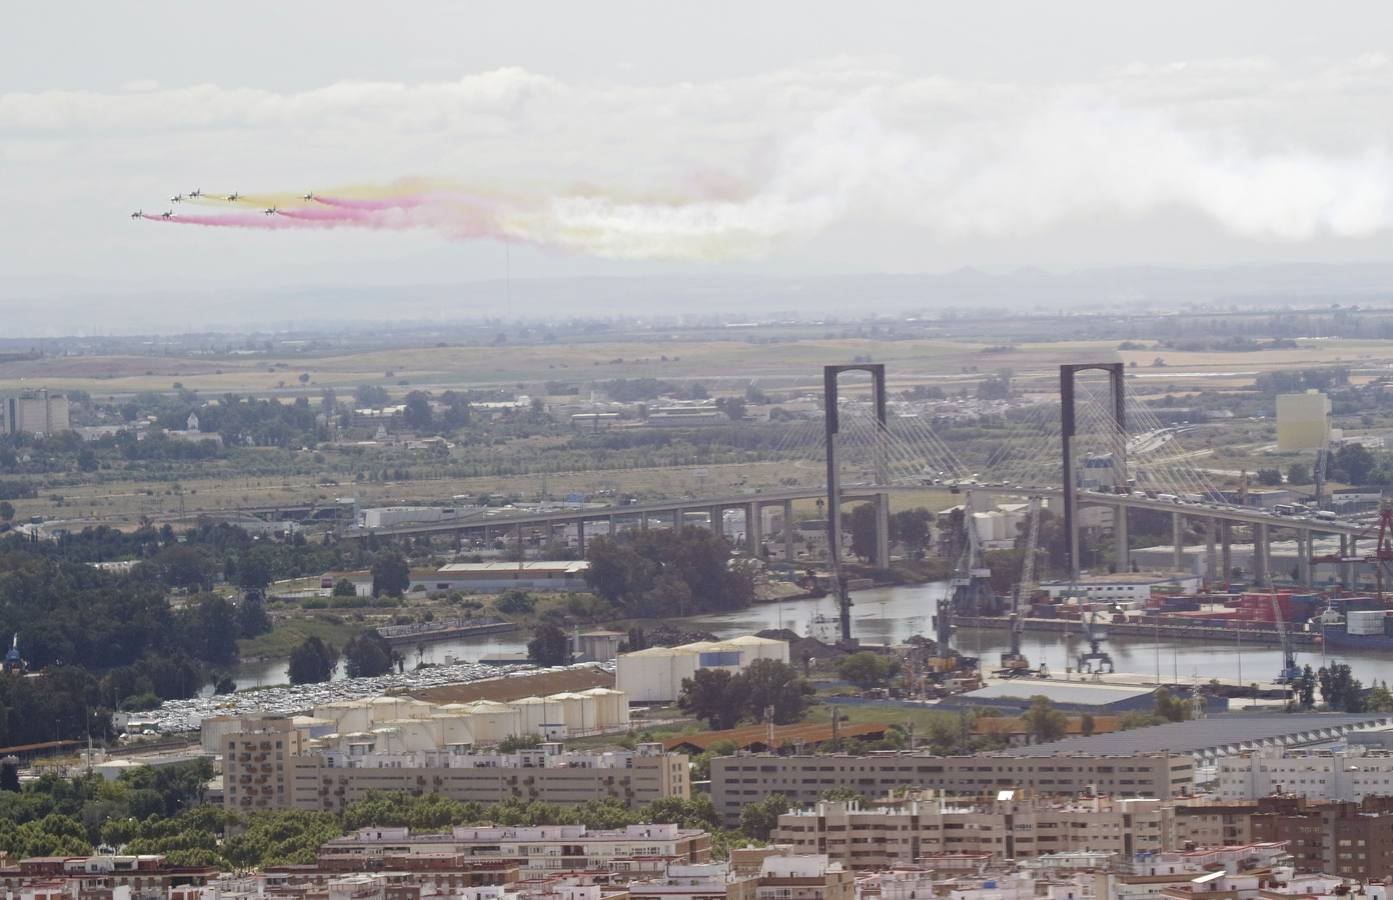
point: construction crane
(971, 578)
(1290, 671)
(1013, 661)
(1322, 462)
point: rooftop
(1209, 734)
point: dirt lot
(505, 689)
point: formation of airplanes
(198, 192)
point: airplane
(271, 211)
(196, 192)
(176, 198)
(234, 196)
(167, 215)
(138, 214)
(308, 197)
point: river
(895, 613)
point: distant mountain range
(966, 291)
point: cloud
(741, 168)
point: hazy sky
(617, 138)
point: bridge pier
(580, 536)
(1303, 556)
(716, 515)
(1262, 575)
(1226, 552)
(882, 531)
(754, 529)
(789, 553)
(1211, 553)
(1177, 542)
(1352, 568)
(679, 518)
(1122, 550)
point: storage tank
(581, 711)
(760, 648)
(351, 716)
(492, 722)
(455, 728)
(535, 712)
(418, 734)
(612, 707)
(385, 709)
(655, 674)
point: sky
(651, 139)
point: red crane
(1382, 557)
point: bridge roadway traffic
(1219, 520)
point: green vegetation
(313, 661)
(676, 572)
(868, 670)
(549, 646)
(765, 686)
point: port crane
(971, 578)
(1096, 661)
(1382, 557)
(1013, 661)
(1290, 672)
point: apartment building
(38, 413)
(875, 837)
(1209, 823)
(737, 780)
(539, 850)
(258, 763)
(1349, 774)
(812, 877)
(272, 763)
(96, 877)
(1352, 840)
(702, 881)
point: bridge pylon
(831, 421)
(1067, 428)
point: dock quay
(1244, 632)
(443, 630)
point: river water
(892, 614)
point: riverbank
(1249, 632)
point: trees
(344, 588)
(417, 414)
(1379, 699)
(768, 684)
(705, 696)
(910, 527)
(549, 646)
(514, 603)
(255, 567)
(7, 511)
(868, 670)
(723, 699)
(1354, 462)
(367, 655)
(668, 573)
(1306, 688)
(1270, 477)
(1298, 473)
(1044, 721)
(252, 618)
(313, 661)
(1339, 689)
(759, 818)
(390, 574)
(861, 524)
(1170, 707)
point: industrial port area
(632, 451)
